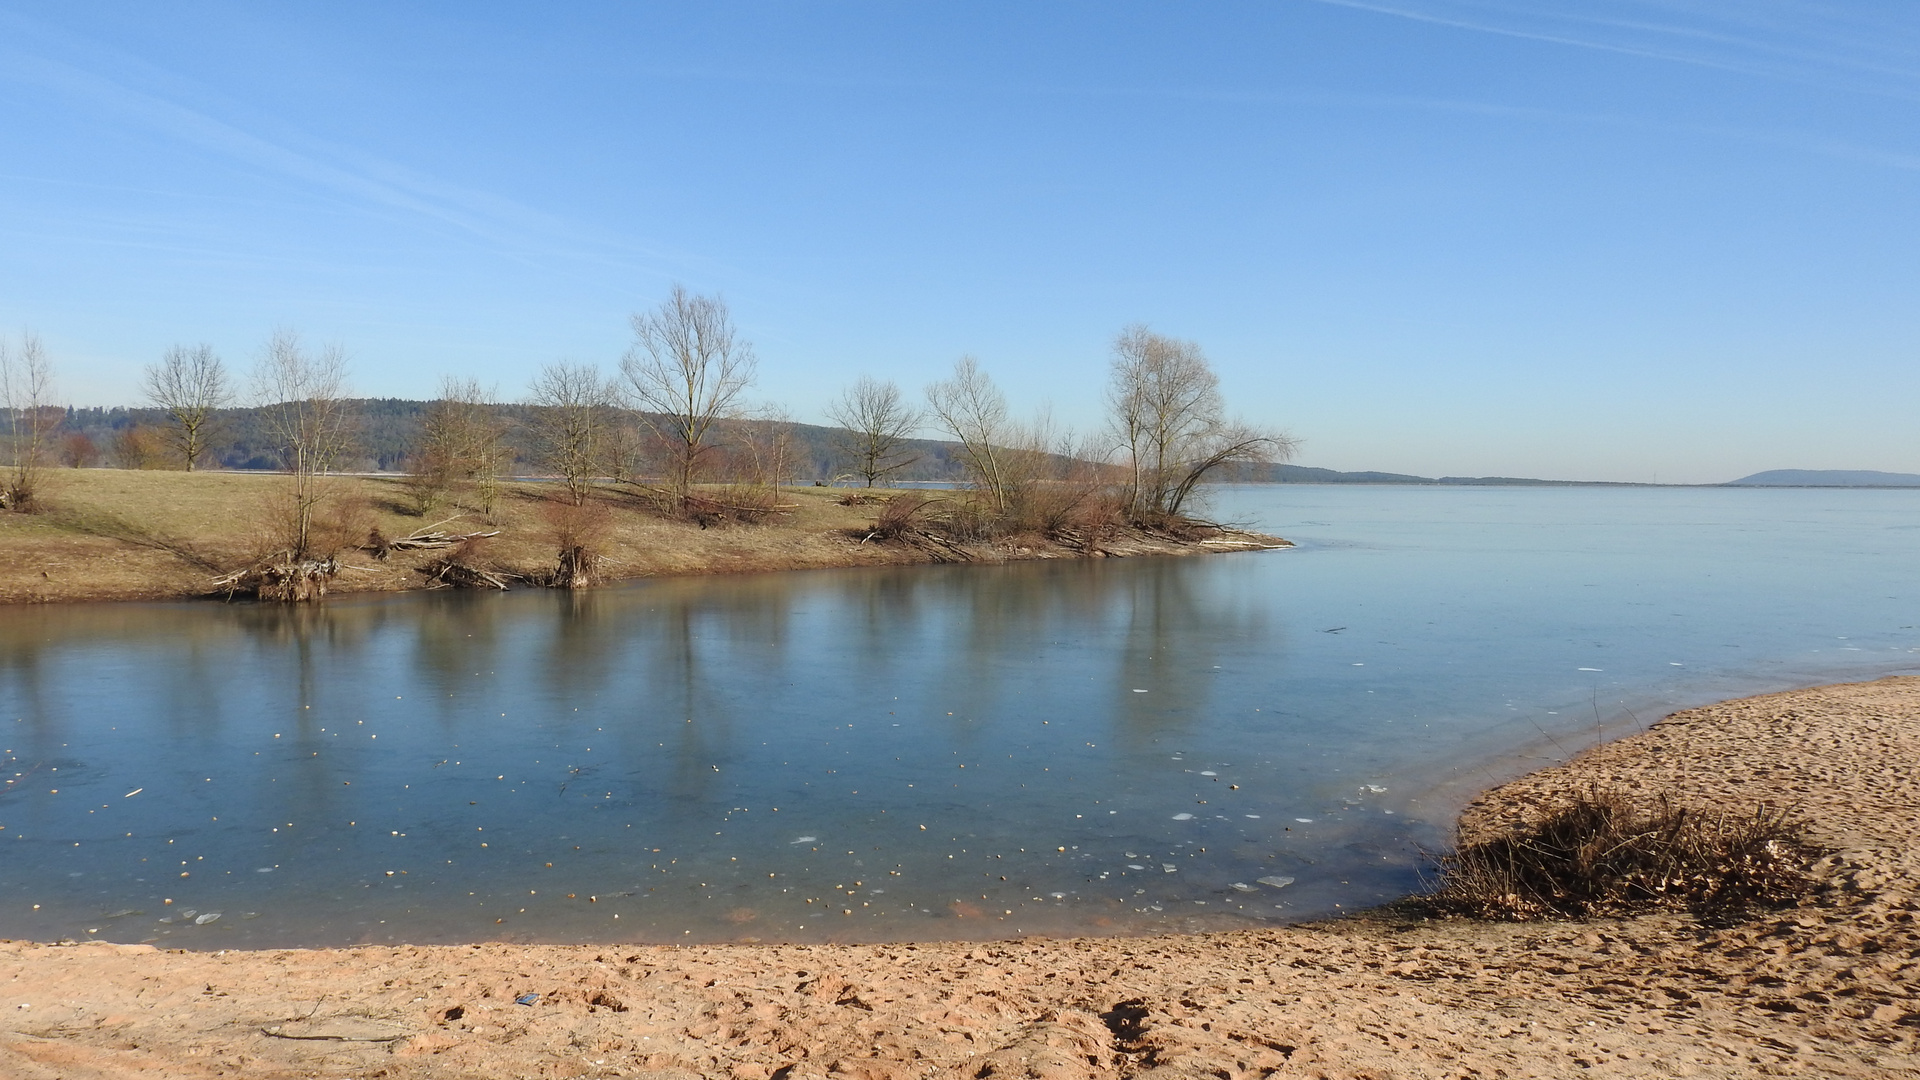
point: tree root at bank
(281, 578)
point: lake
(1104, 746)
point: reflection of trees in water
(677, 671)
(456, 649)
(682, 660)
(1175, 629)
(1167, 617)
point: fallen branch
(454, 574)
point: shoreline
(1829, 987)
(113, 535)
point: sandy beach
(1827, 988)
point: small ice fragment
(207, 918)
(1058, 895)
(1135, 866)
(1208, 772)
(1139, 691)
(1183, 817)
(1304, 820)
(806, 840)
(263, 869)
(1376, 789)
(1588, 669)
(1169, 867)
(1359, 665)
(1255, 817)
(1675, 663)
(1276, 881)
(1241, 886)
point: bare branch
(190, 384)
(876, 421)
(26, 394)
(971, 409)
(303, 402)
(571, 404)
(686, 370)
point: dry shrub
(465, 567)
(859, 498)
(1597, 853)
(745, 504)
(900, 516)
(340, 524)
(578, 532)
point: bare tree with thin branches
(303, 402)
(875, 422)
(26, 393)
(686, 370)
(1167, 413)
(571, 413)
(462, 442)
(190, 384)
(973, 411)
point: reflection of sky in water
(937, 751)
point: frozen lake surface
(1102, 746)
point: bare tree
(137, 446)
(77, 451)
(190, 384)
(876, 422)
(462, 441)
(571, 406)
(26, 393)
(304, 407)
(1167, 413)
(973, 411)
(685, 371)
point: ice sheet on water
(1183, 817)
(1276, 881)
(806, 839)
(1241, 886)
(207, 918)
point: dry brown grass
(1598, 853)
(113, 534)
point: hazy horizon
(1641, 242)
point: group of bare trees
(1168, 432)
(674, 418)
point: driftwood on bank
(281, 579)
(451, 573)
(427, 539)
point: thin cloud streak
(1849, 65)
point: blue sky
(1655, 240)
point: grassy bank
(109, 534)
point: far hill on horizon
(1864, 478)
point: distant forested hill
(389, 428)
(1827, 478)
